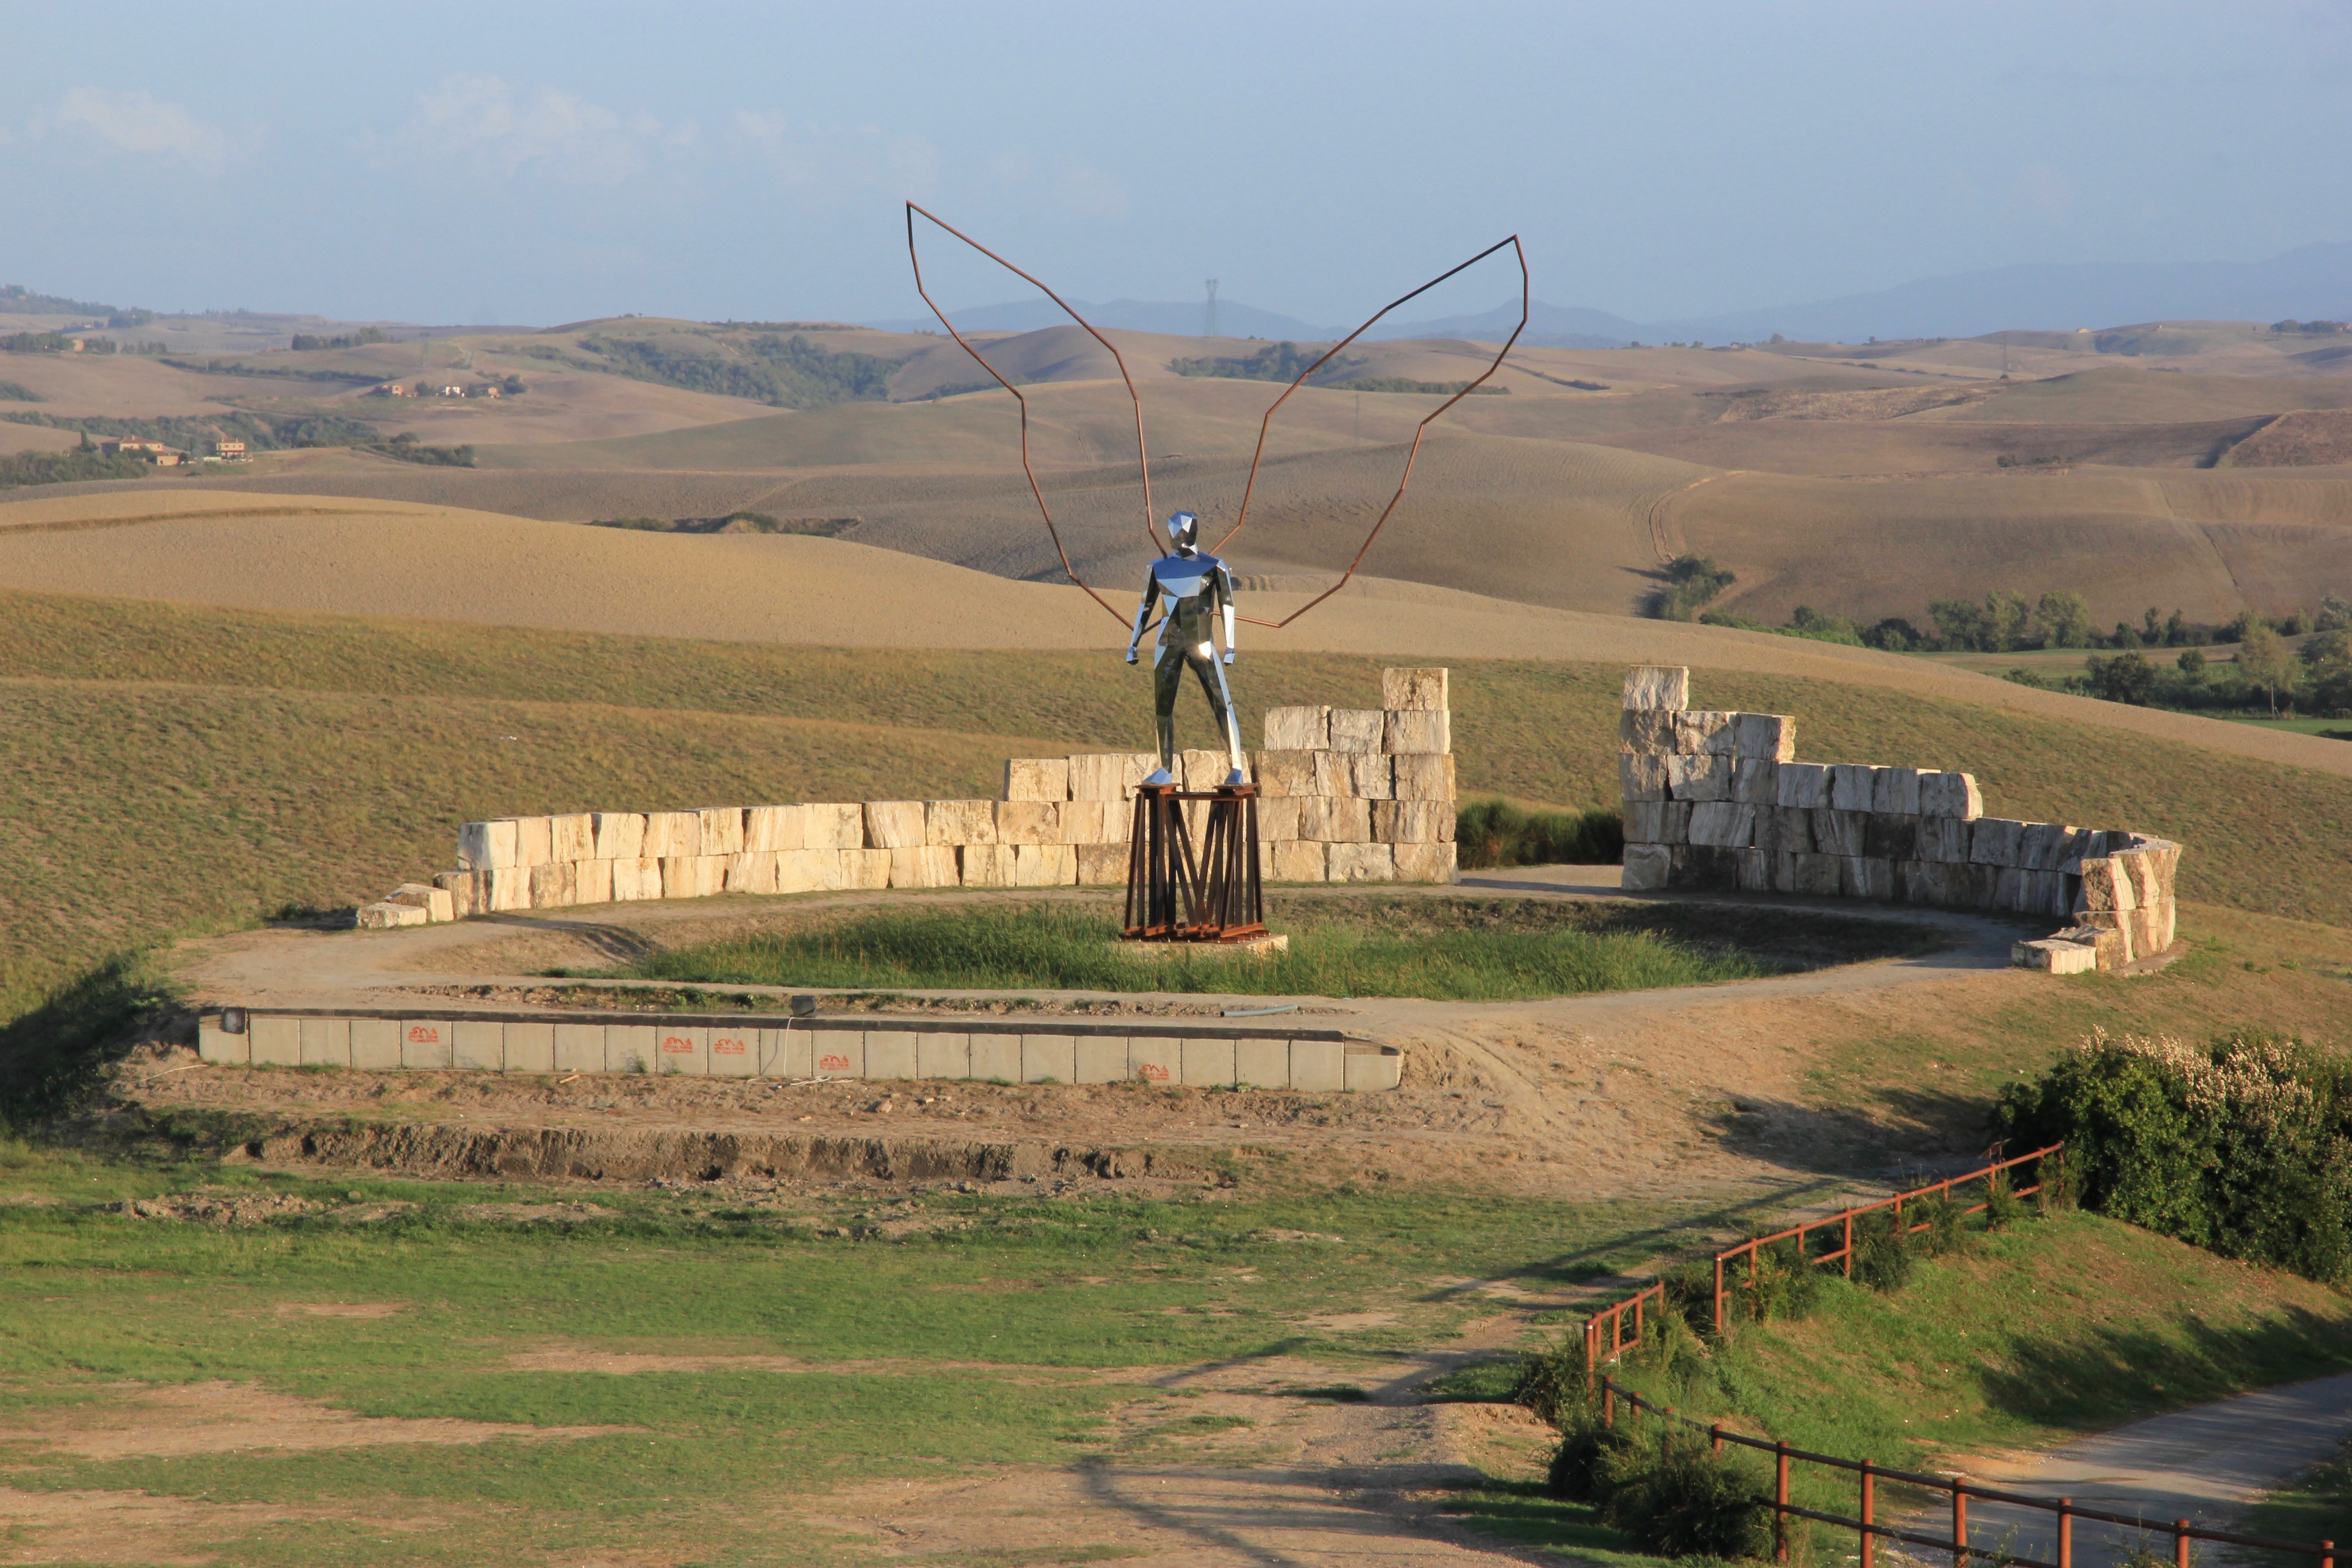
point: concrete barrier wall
(1716, 800)
(1201, 1056)
(1346, 796)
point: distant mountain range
(2315, 280)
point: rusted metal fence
(1864, 1523)
(1605, 1333)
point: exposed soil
(223, 1417)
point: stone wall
(1346, 796)
(1718, 801)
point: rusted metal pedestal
(1176, 895)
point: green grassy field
(167, 768)
(1445, 949)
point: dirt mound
(2303, 440)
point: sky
(529, 164)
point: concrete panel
(942, 1055)
(733, 1052)
(424, 1043)
(840, 1053)
(1265, 1063)
(478, 1046)
(786, 1053)
(1049, 1058)
(326, 1042)
(996, 1058)
(1099, 1058)
(1155, 1059)
(375, 1045)
(682, 1049)
(1209, 1064)
(1320, 1065)
(1371, 1069)
(276, 1042)
(890, 1052)
(629, 1048)
(579, 1047)
(531, 1047)
(215, 1044)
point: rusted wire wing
(1143, 456)
(1240, 520)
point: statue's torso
(1187, 587)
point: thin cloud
(137, 122)
(838, 160)
(495, 127)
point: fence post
(2327, 1555)
(2065, 1532)
(1959, 1527)
(1849, 1244)
(1637, 1320)
(1869, 1499)
(1718, 1293)
(1780, 1501)
(2180, 1543)
(1715, 1432)
(1608, 1402)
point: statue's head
(1183, 532)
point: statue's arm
(1143, 614)
(1225, 596)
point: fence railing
(1864, 1523)
(1608, 1323)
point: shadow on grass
(1905, 1130)
(50, 1056)
(2100, 1377)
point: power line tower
(1211, 330)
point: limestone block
(2041, 846)
(1414, 731)
(636, 879)
(1028, 822)
(434, 901)
(1821, 876)
(693, 876)
(1361, 730)
(2056, 956)
(1427, 863)
(960, 822)
(807, 870)
(1370, 775)
(1298, 729)
(895, 825)
(1658, 821)
(1769, 737)
(669, 833)
(1360, 863)
(620, 835)
(1891, 836)
(2052, 894)
(2080, 842)
(865, 869)
(1993, 841)
(751, 871)
(1646, 866)
(1102, 864)
(769, 828)
(833, 826)
(1302, 862)
(1895, 791)
(1984, 885)
(1764, 835)
(1755, 870)
(1036, 778)
(571, 836)
(1657, 685)
(1723, 824)
(1646, 731)
(1805, 785)
(2104, 885)
(1784, 872)
(534, 840)
(510, 889)
(1201, 768)
(1106, 775)
(2112, 947)
(551, 886)
(1420, 690)
(1866, 877)
(1412, 822)
(1095, 821)
(1839, 832)
(1950, 794)
(2013, 890)
(1852, 785)
(465, 890)
(1700, 731)
(1756, 780)
(988, 865)
(2116, 922)
(1704, 868)
(592, 882)
(383, 915)
(487, 845)
(1349, 821)
(1287, 774)
(1425, 776)
(1944, 839)
(1044, 865)
(1696, 777)
(2140, 866)
(1793, 830)
(2164, 929)
(1642, 778)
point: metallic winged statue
(1194, 586)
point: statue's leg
(1221, 699)
(1167, 674)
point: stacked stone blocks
(1715, 800)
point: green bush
(1883, 1251)
(1674, 1496)
(2242, 1145)
(1488, 833)
(1555, 1384)
(1581, 1464)
(1691, 582)
(1782, 1286)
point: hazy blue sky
(537, 163)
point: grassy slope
(169, 766)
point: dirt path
(2204, 1465)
